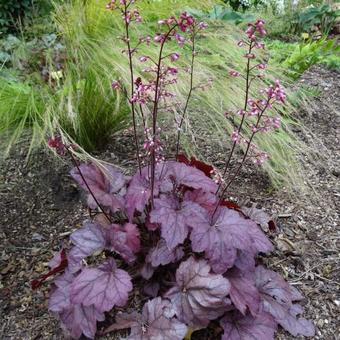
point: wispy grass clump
(85, 108)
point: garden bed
(41, 206)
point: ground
(41, 206)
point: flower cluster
(254, 114)
(257, 27)
(57, 144)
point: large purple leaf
(124, 241)
(139, 190)
(175, 218)
(76, 319)
(198, 296)
(190, 177)
(157, 322)
(80, 319)
(90, 238)
(270, 283)
(277, 300)
(247, 327)
(243, 292)
(162, 255)
(107, 185)
(104, 287)
(221, 237)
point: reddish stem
(243, 117)
(127, 40)
(155, 111)
(193, 52)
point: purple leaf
(162, 255)
(247, 327)
(258, 216)
(198, 296)
(90, 238)
(75, 318)
(103, 287)
(132, 237)
(243, 292)
(56, 260)
(138, 194)
(175, 218)
(147, 271)
(59, 298)
(191, 177)
(121, 241)
(206, 200)
(139, 190)
(80, 320)
(75, 258)
(297, 326)
(245, 261)
(157, 322)
(107, 185)
(224, 235)
(151, 288)
(277, 297)
(272, 284)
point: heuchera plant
(167, 234)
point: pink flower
(259, 25)
(185, 21)
(276, 92)
(172, 70)
(146, 40)
(115, 85)
(233, 73)
(137, 16)
(240, 43)
(202, 25)
(57, 144)
(235, 137)
(261, 66)
(259, 45)
(174, 56)
(250, 30)
(180, 39)
(143, 59)
(250, 55)
(159, 37)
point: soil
(41, 206)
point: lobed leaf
(175, 218)
(198, 296)
(104, 287)
(277, 300)
(157, 322)
(108, 186)
(248, 327)
(243, 292)
(222, 237)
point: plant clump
(167, 232)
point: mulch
(41, 206)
